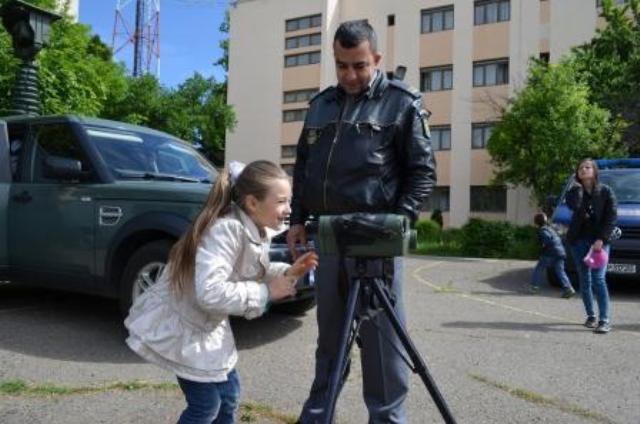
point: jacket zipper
(333, 143)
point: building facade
(466, 57)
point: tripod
(369, 295)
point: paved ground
(497, 354)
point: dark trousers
(384, 373)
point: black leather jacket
(370, 154)
(605, 210)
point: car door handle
(23, 197)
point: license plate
(621, 268)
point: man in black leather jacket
(365, 147)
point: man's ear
(377, 57)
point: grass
(436, 248)
(250, 412)
(538, 399)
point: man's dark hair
(351, 33)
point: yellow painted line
(468, 296)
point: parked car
(623, 176)
(94, 206)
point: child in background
(220, 267)
(553, 255)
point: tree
(548, 128)
(76, 71)
(610, 65)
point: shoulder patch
(326, 91)
(405, 88)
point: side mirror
(59, 168)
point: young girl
(220, 267)
(594, 217)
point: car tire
(143, 270)
(296, 307)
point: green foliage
(610, 66)
(548, 128)
(487, 239)
(428, 230)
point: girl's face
(586, 171)
(274, 209)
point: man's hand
(296, 235)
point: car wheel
(142, 271)
(296, 307)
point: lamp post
(29, 27)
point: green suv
(94, 206)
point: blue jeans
(558, 266)
(209, 403)
(384, 373)
(591, 280)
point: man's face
(355, 67)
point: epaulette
(406, 88)
(322, 93)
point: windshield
(137, 155)
(625, 185)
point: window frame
(483, 65)
(298, 38)
(485, 127)
(484, 4)
(437, 145)
(297, 115)
(296, 57)
(424, 78)
(482, 192)
(439, 193)
(431, 13)
(293, 24)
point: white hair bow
(235, 169)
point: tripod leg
(419, 365)
(343, 352)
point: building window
(303, 41)
(391, 20)
(299, 96)
(288, 168)
(488, 199)
(492, 11)
(441, 137)
(495, 72)
(434, 20)
(303, 23)
(294, 115)
(545, 57)
(436, 79)
(302, 59)
(438, 199)
(480, 134)
(288, 152)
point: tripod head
(365, 235)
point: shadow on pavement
(76, 327)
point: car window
(131, 154)
(625, 185)
(57, 140)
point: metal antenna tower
(143, 37)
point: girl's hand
(281, 287)
(302, 265)
(597, 245)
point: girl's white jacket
(190, 334)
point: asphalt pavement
(497, 354)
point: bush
(428, 230)
(487, 239)
(436, 216)
(526, 243)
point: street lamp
(29, 27)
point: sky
(189, 35)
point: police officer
(365, 147)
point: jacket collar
(376, 87)
(250, 227)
